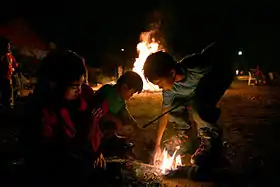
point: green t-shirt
(110, 94)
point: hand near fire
(157, 154)
(99, 162)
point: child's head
(5, 45)
(62, 75)
(128, 84)
(160, 69)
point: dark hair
(61, 68)
(132, 80)
(4, 45)
(158, 65)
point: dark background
(99, 30)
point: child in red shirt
(61, 134)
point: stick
(173, 108)
(149, 123)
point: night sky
(99, 29)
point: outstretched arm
(161, 126)
(128, 118)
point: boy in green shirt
(118, 121)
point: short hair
(158, 65)
(62, 67)
(4, 45)
(132, 79)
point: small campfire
(167, 162)
(147, 46)
(136, 172)
(162, 166)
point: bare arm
(162, 126)
(128, 118)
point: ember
(147, 46)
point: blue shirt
(184, 88)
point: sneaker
(208, 149)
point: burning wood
(152, 173)
(147, 172)
(139, 171)
(136, 173)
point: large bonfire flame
(147, 46)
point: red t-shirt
(95, 113)
(7, 65)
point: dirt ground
(250, 121)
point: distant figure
(260, 78)
(271, 77)
(8, 66)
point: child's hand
(99, 162)
(157, 155)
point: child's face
(9, 47)
(74, 90)
(165, 83)
(127, 93)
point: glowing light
(146, 47)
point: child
(260, 78)
(118, 119)
(8, 65)
(204, 77)
(60, 123)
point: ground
(249, 120)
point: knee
(208, 114)
(179, 116)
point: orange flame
(147, 46)
(168, 162)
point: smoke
(153, 34)
(162, 28)
(184, 30)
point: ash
(135, 173)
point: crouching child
(60, 135)
(118, 125)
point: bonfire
(147, 46)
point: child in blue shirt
(203, 77)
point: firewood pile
(136, 173)
(146, 173)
